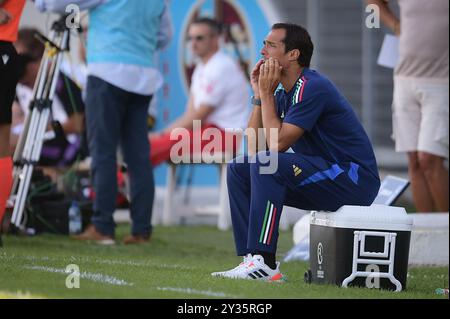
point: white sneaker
(256, 269)
(246, 259)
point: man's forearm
(183, 122)
(74, 125)
(255, 142)
(270, 120)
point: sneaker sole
(278, 279)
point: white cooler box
(360, 246)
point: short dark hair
(297, 37)
(215, 26)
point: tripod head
(59, 26)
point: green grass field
(176, 264)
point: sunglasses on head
(197, 38)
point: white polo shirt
(221, 84)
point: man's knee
(264, 163)
(236, 165)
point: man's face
(275, 48)
(201, 39)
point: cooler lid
(365, 217)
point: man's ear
(294, 55)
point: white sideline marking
(132, 263)
(196, 292)
(99, 261)
(85, 275)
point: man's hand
(254, 78)
(387, 16)
(4, 16)
(269, 76)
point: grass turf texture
(176, 264)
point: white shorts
(420, 115)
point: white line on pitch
(85, 275)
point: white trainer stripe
(269, 222)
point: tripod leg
(22, 151)
(22, 155)
(29, 152)
(39, 141)
(21, 195)
(37, 93)
(36, 141)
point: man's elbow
(279, 147)
(203, 113)
(200, 117)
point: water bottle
(74, 219)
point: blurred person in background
(421, 101)
(218, 97)
(123, 37)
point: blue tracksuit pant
(305, 182)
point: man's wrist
(266, 96)
(256, 100)
(256, 92)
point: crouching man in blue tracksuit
(323, 158)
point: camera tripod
(28, 150)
